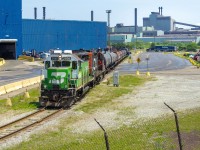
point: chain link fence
(152, 134)
(83, 132)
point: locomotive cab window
(47, 64)
(66, 63)
(56, 63)
(74, 64)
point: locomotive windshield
(61, 63)
(56, 63)
(66, 63)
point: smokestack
(44, 13)
(35, 13)
(92, 15)
(135, 20)
(161, 10)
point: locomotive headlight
(59, 57)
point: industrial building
(121, 29)
(18, 35)
(10, 28)
(156, 28)
(43, 35)
(159, 22)
(175, 38)
(121, 38)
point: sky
(186, 11)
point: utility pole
(108, 12)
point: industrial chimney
(44, 13)
(161, 10)
(35, 13)
(135, 20)
(92, 15)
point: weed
(21, 103)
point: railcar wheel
(92, 84)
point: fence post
(177, 126)
(105, 135)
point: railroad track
(22, 124)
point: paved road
(157, 62)
(15, 70)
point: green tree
(192, 47)
(181, 46)
(152, 45)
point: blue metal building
(10, 28)
(43, 35)
(17, 34)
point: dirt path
(179, 89)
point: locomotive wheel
(69, 103)
(92, 84)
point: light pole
(108, 12)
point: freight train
(69, 75)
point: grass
(154, 134)
(192, 61)
(104, 94)
(150, 135)
(21, 103)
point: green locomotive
(66, 76)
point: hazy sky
(187, 11)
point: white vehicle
(44, 55)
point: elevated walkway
(187, 24)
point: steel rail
(30, 125)
(23, 118)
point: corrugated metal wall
(43, 35)
(11, 21)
